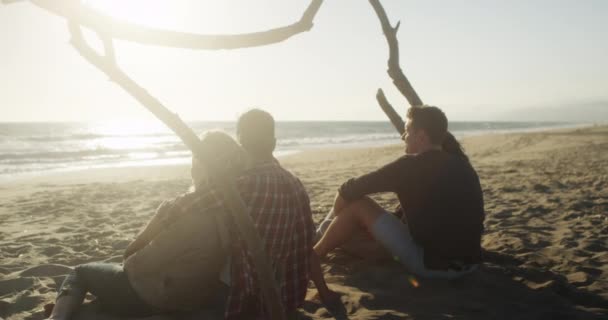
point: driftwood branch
(394, 69)
(85, 16)
(388, 109)
(395, 72)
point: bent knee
(366, 210)
(366, 203)
(79, 269)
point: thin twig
(390, 112)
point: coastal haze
(478, 60)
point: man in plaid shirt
(280, 209)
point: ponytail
(452, 146)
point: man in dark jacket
(439, 233)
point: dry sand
(546, 233)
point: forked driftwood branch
(394, 70)
(390, 112)
(108, 28)
(118, 29)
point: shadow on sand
(500, 289)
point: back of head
(434, 122)
(221, 156)
(255, 132)
(431, 120)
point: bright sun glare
(145, 12)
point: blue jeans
(108, 282)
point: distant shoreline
(165, 171)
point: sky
(476, 59)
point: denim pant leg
(109, 284)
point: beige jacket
(174, 263)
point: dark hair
(434, 122)
(255, 132)
(452, 146)
(430, 119)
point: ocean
(31, 148)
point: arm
(339, 203)
(389, 178)
(153, 227)
(328, 297)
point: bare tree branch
(394, 69)
(117, 29)
(237, 207)
(390, 112)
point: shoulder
(456, 161)
(435, 157)
(203, 199)
(405, 161)
(269, 174)
(414, 164)
(272, 172)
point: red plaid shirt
(280, 209)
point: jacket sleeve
(154, 226)
(388, 178)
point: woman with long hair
(174, 263)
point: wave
(40, 147)
(85, 154)
(337, 140)
(88, 136)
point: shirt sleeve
(306, 213)
(154, 226)
(389, 178)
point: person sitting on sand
(280, 209)
(174, 264)
(442, 212)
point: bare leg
(328, 297)
(365, 246)
(359, 214)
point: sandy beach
(546, 238)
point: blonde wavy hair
(222, 158)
